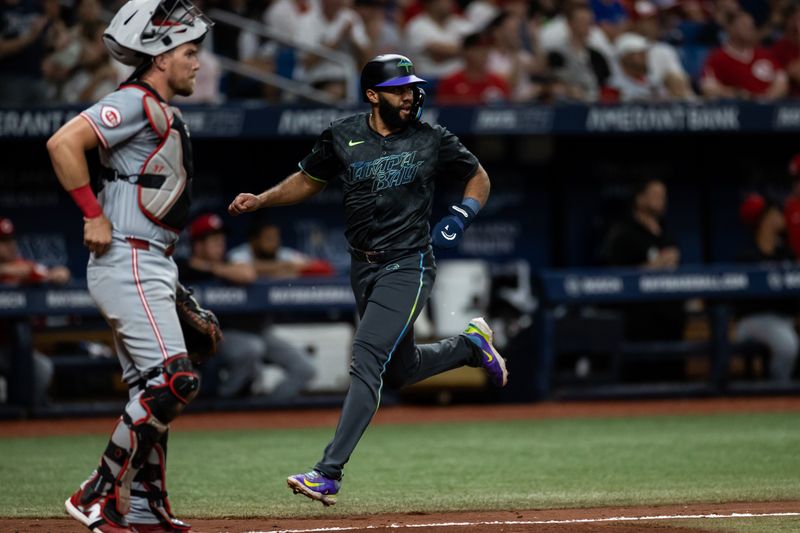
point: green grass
(771, 524)
(434, 467)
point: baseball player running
(143, 204)
(388, 162)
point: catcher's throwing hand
(244, 203)
(97, 234)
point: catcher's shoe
(315, 486)
(99, 515)
(479, 332)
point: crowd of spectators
(472, 52)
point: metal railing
(299, 88)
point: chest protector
(164, 188)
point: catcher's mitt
(201, 330)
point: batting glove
(449, 231)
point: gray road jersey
(126, 142)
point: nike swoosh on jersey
(351, 142)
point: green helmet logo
(406, 65)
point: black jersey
(388, 181)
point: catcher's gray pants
(134, 288)
(389, 297)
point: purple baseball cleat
(479, 332)
(315, 486)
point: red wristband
(87, 201)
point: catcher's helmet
(147, 28)
(388, 70)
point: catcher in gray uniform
(143, 204)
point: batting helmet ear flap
(419, 102)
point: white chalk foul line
(536, 522)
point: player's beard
(186, 88)
(390, 115)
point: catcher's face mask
(147, 28)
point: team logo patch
(110, 116)
(763, 70)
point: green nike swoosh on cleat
(312, 485)
(351, 142)
(489, 356)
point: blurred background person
(555, 32)
(339, 28)
(640, 240)
(474, 84)
(238, 360)
(580, 69)
(522, 69)
(256, 52)
(769, 322)
(611, 17)
(94, 76)
(742, 69)
(786, 50)
(264, 249)
(383, 30)
(79, 68)
(22, 49)
(17, 270)
(14, 271)
(632, 82)
(248, 342)
(434, 39)
(664, 65)
(284, 15)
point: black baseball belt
(149, 181)
(382, 256)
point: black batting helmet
(388, 70)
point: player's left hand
(450, 230)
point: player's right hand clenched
(244, 203)
(97, 234)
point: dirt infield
(300, 418)
(606, 520)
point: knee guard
(141, 426)
(174, 388)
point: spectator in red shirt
(16, 270)
(791, 208)
(787, 49)
(740, 68)
(474, 84)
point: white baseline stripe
(536, 522)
